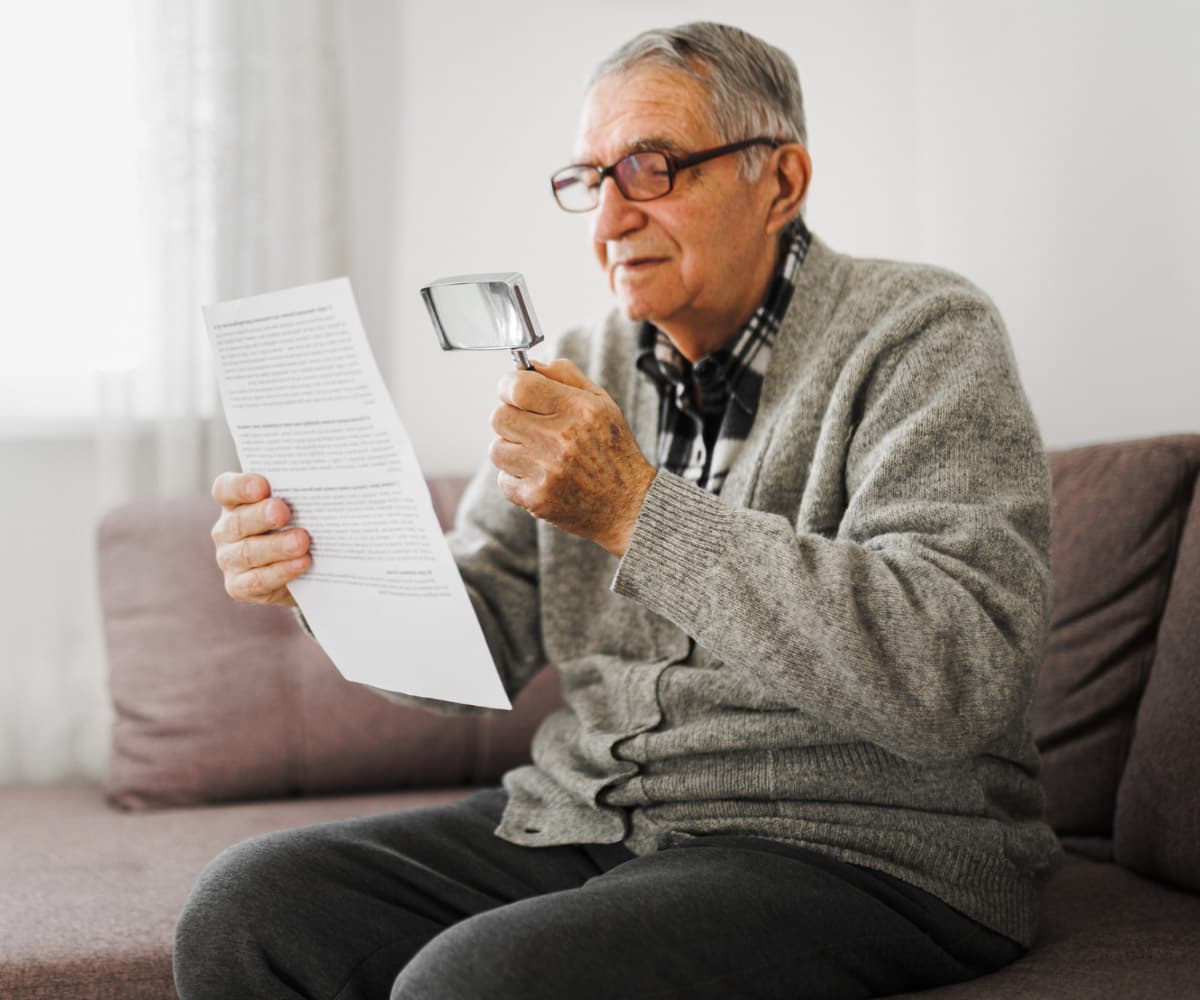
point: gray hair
(753, 88)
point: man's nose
(614, 215)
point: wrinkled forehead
(644, 107)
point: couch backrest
(1124, 629)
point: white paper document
(309, 411)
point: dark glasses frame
(674, 165)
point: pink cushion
(218, 701)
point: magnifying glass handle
(521, 358)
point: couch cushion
(1119, 511)
(92, 893)
(1105, 932)
(217, 701)
(1158, 807)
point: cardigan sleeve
(919, 621)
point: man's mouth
(635, 264)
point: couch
(229, 722)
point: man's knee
(239, 896)
(484, 956)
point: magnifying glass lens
(476, 317)
(483, 312)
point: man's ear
(791, 173)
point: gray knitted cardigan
(837, 651)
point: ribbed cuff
(681, 532)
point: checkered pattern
(699, 441)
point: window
(70, 221)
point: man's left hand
(566, 454)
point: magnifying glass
(483, 312)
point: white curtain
(241, 181)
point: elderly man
(788, 550)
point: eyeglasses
(640, 176)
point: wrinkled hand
(258, 560)
(566, 454)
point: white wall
(1046, 150)
(1059, 163)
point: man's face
(692, 261)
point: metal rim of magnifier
(519, 354)
(514, 281)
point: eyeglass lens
(639, 176)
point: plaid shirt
(700, 443)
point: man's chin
(646, 308)
(635, 310)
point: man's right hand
(258, 560)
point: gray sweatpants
(429, 904)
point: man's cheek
(613, 276)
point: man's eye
(568, 182)
(650, 164)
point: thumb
(567, 373)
